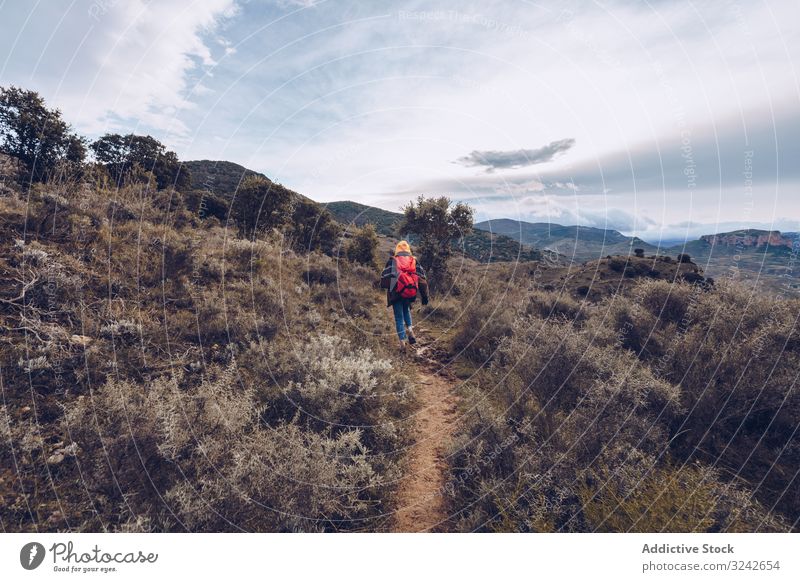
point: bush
(566, 431)
(617, 264)
(320, 271)
(363, 246)
(689, 499)
(206, 204)
(546, 304)
(204, 451)
(312, 228)
(340, 382)
(260, 205)
(668, 302)
(481, 330)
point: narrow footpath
(420, 499)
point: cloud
(494, 159)
(556, 209)
(117, 66)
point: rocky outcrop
(748, 239)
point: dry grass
(162, 374)
(664, 407)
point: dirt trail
(420, 506)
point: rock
(55, 459)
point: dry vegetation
(648, 403)
(159, 373)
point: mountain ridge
(579, 242)
(480, 245)
(755, 255)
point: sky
(663, 119)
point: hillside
(764, 260)
(580, 243)
(145, 345)
(347, 212)
(608, 276)
(217, 176)
(480, 245)
(222, 178)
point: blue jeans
(402, 314)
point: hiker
(404, 279)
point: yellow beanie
(402, 247)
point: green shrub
(363, 246)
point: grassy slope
(122, 307)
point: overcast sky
(661, 118)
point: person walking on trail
(404, 279)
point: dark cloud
(761, 146)
(494, 159)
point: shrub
(319, 271)
(481, 330)
(687, 499)
(363, 246)
(339, 382)
(668, 302)
(546, 304)
(312, 228)
(204, 451)
(617, 264)
(205, 204)
(260, 205)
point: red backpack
(407, 278)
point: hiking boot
(411, 339)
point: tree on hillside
(363, 246)
(120, 154)
(260, 205)
(37, 136)
(311, 227)
(437, 222)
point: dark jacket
(389, 282)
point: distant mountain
(753, 255)
(751, 238)
(480, 245)
(581, 243)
